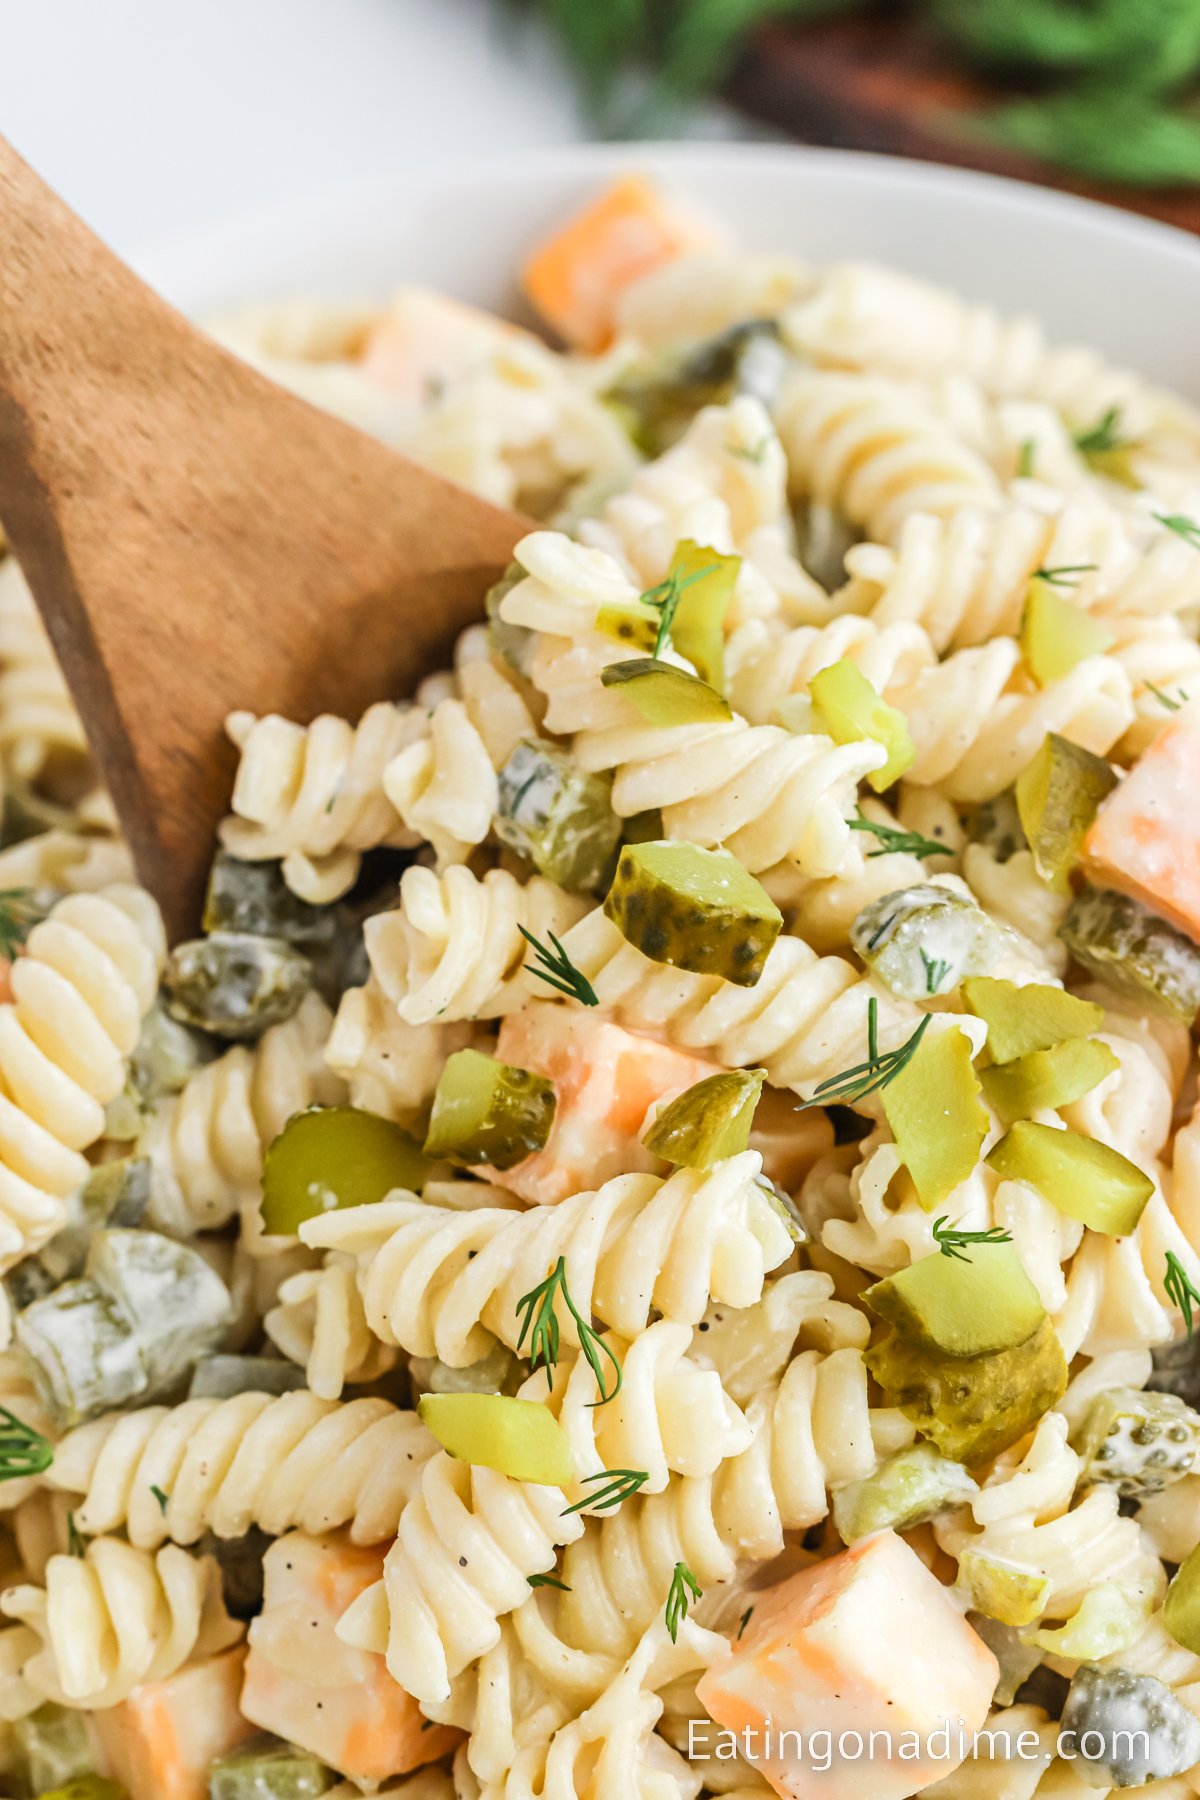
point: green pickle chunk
(266, 1769)
(708, 579)
(953, 1307)
(1058, 795)
(921, 941)
(331, 1157)
(515, 645)
(87, 1787)
(1134, 951)
(1009, 1595)
(1137, 1442)
(851, 710)
(914, 1485)
(234, 983)
(221, 1377)
(937, 1118)
(499, 1372)
(1181, 1608)
(50, 1746)
(708, 1122)
(1056, 634)
(1110, 1617)
(558, 816)
(657, 399)
(1082, 1178)
(695, 909)
(664, 694)
(253, 897)
(972, 1407)
(1129, 1729)
(1023, 1020)
(1046, 1079)
(521, 1438)
(485, 1111)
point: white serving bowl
(1094, 275)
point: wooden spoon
(197, 539)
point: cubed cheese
(867, 1641)
(1145, 839)
(304, 1684)
(606, 1080)
(424, 341)
(160, 1742)
(575, 276)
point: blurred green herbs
(1114, 85)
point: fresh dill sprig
(19, 913)
(867, 1077)
(936, 971)
(541, 1322)
(743, 1622)
(1105, 436)
(951, 1240)
(540, 1581)
(1066, 575)
(620, 1484)
(163, 1499)
(1165, 699)
(1180, 1291)
(559, 971)
(894, 841)
(665, 596)
(76, 1542)
(1025, 456)
(23, 1451)
(1182, 526)
(683, 1590)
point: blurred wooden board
(890, 86)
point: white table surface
(153, 115)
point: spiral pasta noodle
(318, 1321)
(282, 1463)
(389, 1067)
(443, 785)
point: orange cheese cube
(867, 1642)
(575, 276)
(160, 1742)
(1145, 839)
(605, 1082)
(424, 341)
(305, 1685)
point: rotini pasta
(318, 1321)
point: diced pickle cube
(499, 1372)
(1137, 1442)
(82, 1351)
(1011, 1596)
(557, 815)
(635, 624)
(706, 579)
(335, 1156)
(657, 399)
(166, 1054)
(176, 1301)
(87, 1787)
(665, 695)
(266, 1769)
(997, 824)
(1022, 1020)
(708, 1122)
(1145, 1732)
(218, 1377)
(921, 941)
(851, 710)
(1057, 796)
(914, 1485)
(1046, 1079)
(1056, 634)
(514, 644)
(1110, 1617)
(972, 1407)
(521, 1438)
(1134, 951)
(696, 909)
(1084, 1179)
(485, 1111)
(235, 984)
(954, 1307)
(1181, 1608)
(937, 1118)
(253, 897)
(1016, 1658)
(1176, 1369)
(51, 1747)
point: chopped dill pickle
(87, 1787)
(1108, 1620)
(851, 710)
(1022, 1020)
(221, 1377)
(335, 1156)
(253, 897)
(115, 1193)
(557, 815)
(266, 1769)
(499, 1372)
(972, 1407)
(1181, 1608)
(1129, 1729)
(696, 909)
(665, 695)
(50, 1746)
(1084, 1179)
(698, 628)
(914, 1485)
(165, 1055)
(1056, 634)
(921, 941)
(1134, 951)
(234, 983)
(484, 1111)
(1058, 794)
(1017, 1659)
(997, 825)
(176, 1301)
(953, 1307)
(82, 1352)
(1137, 1442)
(514, 644)
(1046, 1079)
(708, 1122)
(635, 625)
(999, 1591)
(658, 398)
(1176, 1369)
(521, 1438)
(936, 1116)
